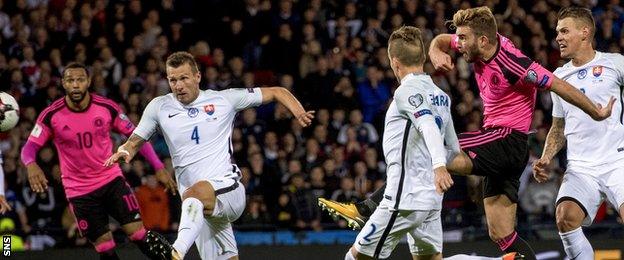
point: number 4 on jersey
(195, 135)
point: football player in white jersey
(418, 123)
(595, 150)
(197, 127)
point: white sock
(576, 245)
(349, 256)
(190, 224)
(470, 257)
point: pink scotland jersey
(507, 85)
(83, 141)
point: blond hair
(579, 14)
(479, 19)
(406, 44)
(179, 58)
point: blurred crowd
(331, 54)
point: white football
(10, 112)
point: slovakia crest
(597, 70)
(209, 109)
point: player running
(79, 125)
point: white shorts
(216, 239)
(588, 190)
(385, 229)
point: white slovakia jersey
(593, 143)
(198, 134)
(417, 103)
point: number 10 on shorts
(6, 245)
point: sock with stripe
(368, 206)
(514, 243)
(191, 221)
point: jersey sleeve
(557, 109)
(415, 105)
(242, 98)
(619, 66)
(454, 41)
(121, 122)
(149, 121)
(42, 130)
(520, 69)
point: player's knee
(569, 216)
(567, 222)
(204, 192)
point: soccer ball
(9, 112)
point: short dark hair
(581, 14)
(406, 44)
(179, 58)
(75, 65)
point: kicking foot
(347, 211)
(158, 247)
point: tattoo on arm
(555, 139)
(134, 143)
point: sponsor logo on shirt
(531, 77)
(582, 74)
(36, 132)
(415, 100)
(172, 115)
(597, 70)
(209, 109)
(193, 112)
(495, 80)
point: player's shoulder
(612, 57)
(55, 106)
(104, 101)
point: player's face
(76, 84)
(467, 43)
(569, 37)
(184, 83)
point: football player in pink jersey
(79, 125)
(508, 82)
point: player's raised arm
(578, 99)
(286, 98)
(438, 52)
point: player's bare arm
(286, 98)
(554, 142)
(577, 98)
(36, 178)
(127, 151)
(438, 52)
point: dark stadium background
(331, 54)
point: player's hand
(604, 112)
(540, 171)
(442, 179)
(441, 60)
(305, 118)
(4, 205)
(165, 178)
(120, 154)
(36, 178)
